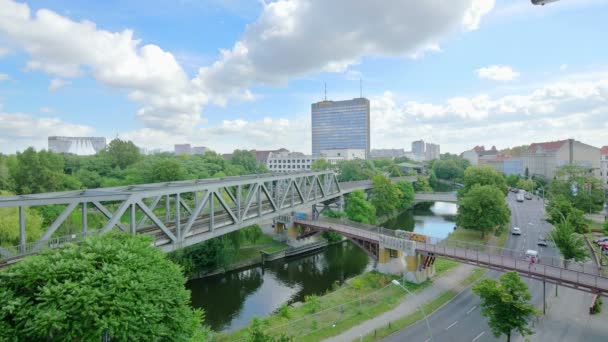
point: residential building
(199, 150)
(506, 165)
(431, 151)
(285, 161)
(478, 155)
(182, 149)
(387, 153)
(262, 156)
(418, 149)
(543, 159)
(340, 125)
(343, 154)
(76, 145)
(604, 165)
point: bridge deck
(548, 269)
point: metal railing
(16, 252)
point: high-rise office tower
(340, 125)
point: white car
(515, 231)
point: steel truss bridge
(177, 214)
(549, 269)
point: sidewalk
(449, 281)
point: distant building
(262, 156)
(418, 149)
(478, 154)
(340, 125)
(387, 153)
(343, 154)
(182, 149)
(199, 150)
(431, 151)
(285, 161)
(501, 162)
(604, 165)
(543, 159)
(76, 145)
(507, 165)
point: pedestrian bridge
(436, 197)
(177, 214)
(550, 269)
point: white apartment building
(543, 159)
(343, 154)
(285, 161)
(604, 165)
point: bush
(284, 311)
(312, 302)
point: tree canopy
(407, 194)
(506, 304)
(122, 153)
(483, 175)
(385, 196)
(580, 187)
(355, 170)
(358, 209)
(320, 165)
(482, 208)
(526, 184)
(570, 245)
(422, 185)
(9, 225)
(115, 285)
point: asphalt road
(461, 319)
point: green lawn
(266, 243)
(362, 298)
(429, 308)
(595, 226)
(473, 236)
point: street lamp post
(428, 326)
(566, 223)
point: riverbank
(360, 299)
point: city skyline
(159, 88)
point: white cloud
(563, 67)
(497, 73)
(57, 83)
(295, 37)
(20, 130)
(46, 110)
(4, 77)
(4, 52)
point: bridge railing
(513, 260)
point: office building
(343, 154)
(341, 125)
(199, 150)
(418, 149)
(182, 149)
(543, 159)
(77, 145)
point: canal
(232, 299)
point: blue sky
(232, 74)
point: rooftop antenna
(361, 88)
(325, 83)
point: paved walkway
(449, 281)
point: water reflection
(433, 219)
(231, 300)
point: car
(542, 241)
(602, 239)
(515, 231)
(603, 244)
(528, 196)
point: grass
(429, 308)
(473, 236)
(596, 226)
(360, 299)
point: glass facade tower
(340, 125)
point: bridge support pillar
(419, 268)
(391, 261)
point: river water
(232, 299)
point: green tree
(9, 225)
(384, 195)
(483, 175)
(114, 284)
(512, 180)
(245, 159)
(122, 153)
(558, 206)
(355, 170)
(37, 172)
(167, 170)
(579, 186)
(407, 194)
(89, 179)
(320, 165)
(570, 245)
(433, 182)
(526, 184)
(252, 233)
(448, 169)
(576, 219)
(506, 303)
(358, 209)
(422, 185)
(483, 208)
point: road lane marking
(451, 325)
(471, 309)
(478, 336)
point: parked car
(515, 231)
(528, 196)
(602, 239)
(542, 241)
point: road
(461, 319)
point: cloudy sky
(232, 74)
